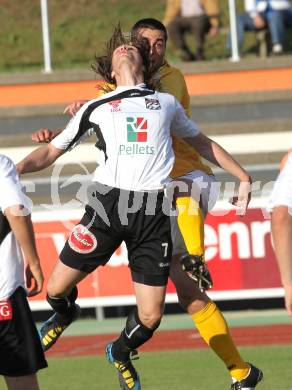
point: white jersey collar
(122, 88)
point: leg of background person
(142, 322)
(28, 382)
(282, 233)
(275, 20)
(243, 23)
(177, 29)
(208, 320)
(199, 28)
(288, 19)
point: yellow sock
(191, 224)
(214, 330)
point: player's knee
(280, 216)
(135, 319)
(197, 305)
(57, 290)
(183, 301)
(188, 291)
(192, 297)
(151, 319)
(135, 334)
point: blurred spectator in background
(280, 204)
(198, 17)
(275, 15)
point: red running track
(173, 340)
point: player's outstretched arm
(214, 153)
(22, 227)
(39, 159)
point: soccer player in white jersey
(187, 228)
(133, 125)
(280, 203)
(21, 354)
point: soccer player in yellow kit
(188, 164)
(188, 167)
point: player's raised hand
(72, 108)
(242, 200)
(34, 279)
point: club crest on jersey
(152, 104)
(115, 105)
(5, 311)
(81, 240)
(137, 129)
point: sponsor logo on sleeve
(81, 240)
(5, 311)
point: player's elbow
(17, 214)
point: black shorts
(107, 222)
(20, 348)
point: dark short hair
(103, 63)
(151, 23)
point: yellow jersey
(186, 158)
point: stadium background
(246, 106)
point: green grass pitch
(173, 370)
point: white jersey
(133, 127)
(11, 260)
(281, 194)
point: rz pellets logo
(136, 129)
